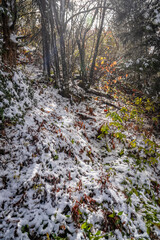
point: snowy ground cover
(15, 94)
(59, 181)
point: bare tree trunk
(55, 57)
(46, 51)
(54, 50)
(9, 48)
(82, 60)
(45, 37)
(65, 87)
(60, 23)
(91, 81)
(81, 47)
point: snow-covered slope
(56, 177)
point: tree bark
(82, 60)
(59, 19)
(9, 47)
(45, 37)
(54, 49)
(91, 81)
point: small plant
(119, 136)
(151, 220)
(87, 229)
(104, 131)
(56, 157)
(121, 153)
(115, 116)
(55, 237)
(25, 228)
(133, 144)
(138, 101)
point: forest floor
(64, 176)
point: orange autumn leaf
(62, 227)
(113, 64)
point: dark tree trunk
(55, 58)
(45, 37)
(60, 24)
(9, 48)
(46, 51)
(83, 66)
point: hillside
(68, 171)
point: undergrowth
(141, 144)
(126, 131)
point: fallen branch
(101, 94)
(86, 116)
(110, 104)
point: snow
(129, 63)
(13, 38)
(53, 161)
(15, 94)
(156, 20)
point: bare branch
(86, 11)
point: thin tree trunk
(91, 81)
(61, 30)
(81, 47)
(65, 87)
(56, 57)
(82, 60)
